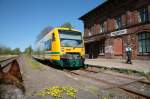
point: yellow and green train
(64, 47)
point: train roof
(62, 28)
(56, 28)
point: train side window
(53, 37)
(48, 45)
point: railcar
(64, 47)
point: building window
(143, 15)
(118, 22)
(102, 28)
(102, 47)
(129, 18)
(90, 33)
(144, 42)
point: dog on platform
(11, 83)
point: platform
(138, 65)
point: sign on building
(120, 32)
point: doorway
(118, 47)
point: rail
(127, 87)
(5, 62)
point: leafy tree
(67, 25)
(28, 50)
(38, 52)
(5, 50)
(16, 51)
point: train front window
(70, 38)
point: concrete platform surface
(138, 65)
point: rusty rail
(120, 86)
(5, 62)
(118, 75)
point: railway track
(6, 61)
(131, 85)
(11, 79)
(118, 75)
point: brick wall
(129, 16)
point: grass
(147, 75)
(111, 94)
(94, 89)
(34, 64)
(126, 71)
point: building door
(96, 49)
(90, 50)
(118, 47)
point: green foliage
(16, 51)
(147, 75)
(111, 94)
(67, 25)
(8, 51)
(38, 52)
(28, 50)
(34, 64)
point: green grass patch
(34, 64)
(125, 71)
(93, 89)
(147, 75)
(111, 94)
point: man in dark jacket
(129, 54)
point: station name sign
(120, 32)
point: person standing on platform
(129, 54)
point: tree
(28, 50)
(5, 50)
(67, 25)
(16, 51)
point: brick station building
(112, 25)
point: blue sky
(22, 20)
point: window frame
(143, 15)
(142, 42)
(102, 27)
(118, 22)
(101, 47)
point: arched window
(102, 28)
(143, 15)
(144, 42)
(90, 33)
(118, 22)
